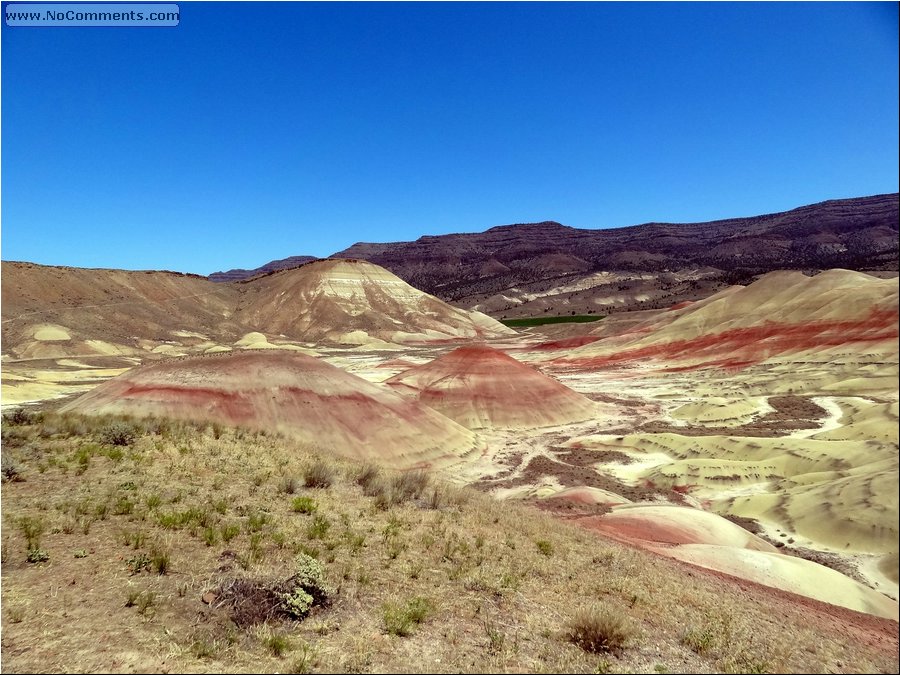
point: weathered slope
(482, 387)
(288, 392)
(353, 301)
(115, 307)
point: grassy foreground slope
(157, 546)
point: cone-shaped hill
(289, 392)
(482, 387)
(351, 301)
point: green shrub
(138, 563)
(306, 588)
(118, 433)
(256, 521)
(544, 547)
(32, 529)
(318, 528)
(161, 560)
(230, 531)
(304, 505)
(123, 507)
(36, 555)
(210, 536)
(277, 643)
(402, 619)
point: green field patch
(543, 320)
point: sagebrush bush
(544, 547)
(118, 433)
(306, 588)
(410, 485)
(366, 475)
(10, 469)
(20, 417)
(32, 529)
(599, 630)
(319, 474)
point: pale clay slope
(788, 573)
(329, 300)
(841, 494)
(682, 525)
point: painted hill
(482, 387)
(288, 392)
(782, 313)
(355, 302)
(54, 312)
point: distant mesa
(859, 233)
(532, 269)
(274, 266)
(298, 395)
(481, 387)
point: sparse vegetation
(544, 547)
(9, 468)
(213, 567)
(401, 619)
(304, 505)
(319, 474)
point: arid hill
(482, 387)
(782, 313)
(354, 302)
(52, 312)
(288, 392)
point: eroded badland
(717, 481)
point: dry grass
(422, 576)
(599, 629)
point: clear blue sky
(258, 131)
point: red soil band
(740, 347)
(567, 343)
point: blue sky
(255, 131)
